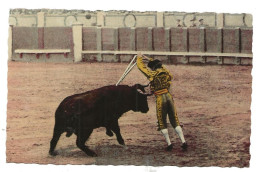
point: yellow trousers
(165, 105)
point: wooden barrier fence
(172, 45)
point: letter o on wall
(69, 20)
(129, 20)
(186, 19)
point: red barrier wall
(124, 39)
(25, 37)
(196, 40)
(230, 40)
(59, 38)
(246, 40)
(108, 38)
(213, 38)
(160, 43)
(142, 39)
(89, 36)
(178, 39)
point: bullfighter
(160, 82)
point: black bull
(102, 107)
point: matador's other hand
(147, 58)
(139, 54)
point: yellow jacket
(160, 78)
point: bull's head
(141, 103)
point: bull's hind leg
(82, 137)
(56, 136)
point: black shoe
(169, 148)
(184, 146)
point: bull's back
(107, 96)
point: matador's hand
(146, 58)
(139, 54)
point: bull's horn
(141, 87)
(150, 94)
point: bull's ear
(140, 87)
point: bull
(82, 113)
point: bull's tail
(71, 125)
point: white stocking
(166, 136)
(180, 133)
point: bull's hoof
(53, 153)
(109, 133)
(121, 142)
(124, 147)
(91, 153)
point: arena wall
(65, 18)
(41, 36)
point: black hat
(155, 64)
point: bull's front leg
(109, 132)
(115, 128)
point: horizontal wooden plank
(42, 51)
(172, 53)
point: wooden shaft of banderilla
(128, 69)
(123, 77)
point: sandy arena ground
(213, 104)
